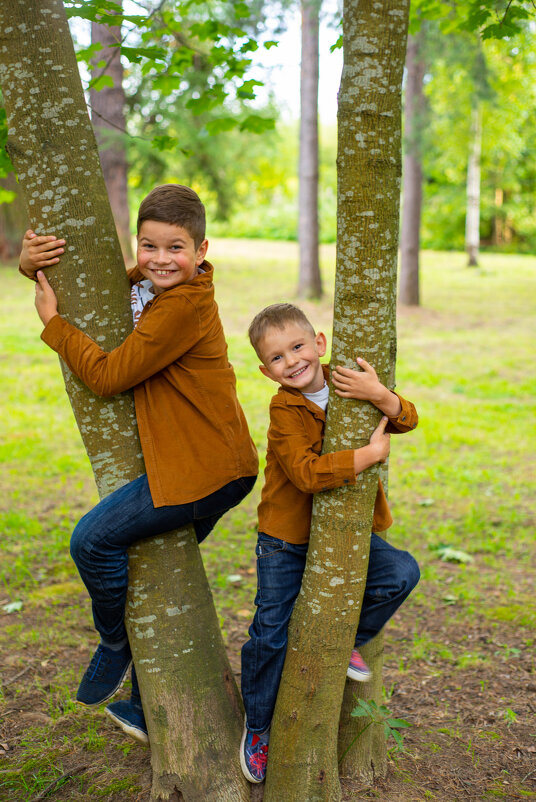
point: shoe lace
(98, 664)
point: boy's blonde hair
(177, 205)
(275, 316)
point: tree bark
(472, 217)
(412, 174)
(178, 653)
(109, 124)
(303, 743)
(310, 280)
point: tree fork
(53, 149)
(303, 751)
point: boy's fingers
(364, 364)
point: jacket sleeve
(165, 332)
(292, 447)
(134, 274)
(405, 421)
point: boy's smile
(167, 255)
(291, 357)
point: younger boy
(199, 457)
(290, 352)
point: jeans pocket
(267, 545)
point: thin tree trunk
(54, 152)
(12, 221)
(412, 174)
(310, 281)
(472, 218)
(303, 743)
(108, 118)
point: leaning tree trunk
(303, 745)
(309, 281)
(472, 216)
(108, 118)
(412, 174)
(172, 623)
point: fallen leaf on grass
(12, 607)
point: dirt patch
(473, 733)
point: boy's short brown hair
(275, 316)
(177, 205)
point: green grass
(464, 478)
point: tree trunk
(12, 221)
(54, 152)
(303, 743)
(109, 124)
(412, 174)
(310, 281)
(472, 218)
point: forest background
(460, 658)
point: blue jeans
(392, 575)
(101, 538)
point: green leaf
(221, 124)
(102, 81)
(257, 124)
(398, 722)
(165, 142)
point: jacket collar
(296, 398)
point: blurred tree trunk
(310, 281)
(109, 124)
(178, 651)
(13, 221)
(472, 218)
(412, 174)
(303, 744)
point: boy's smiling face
(291, 357)
(167, 255)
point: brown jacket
(295, 470)
(193, 432)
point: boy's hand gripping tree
(190, 699)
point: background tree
(414, 108)
(107, 101)
(52, 146)
(303, 745)
(309, 278)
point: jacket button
(404, 418)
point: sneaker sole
(129, 729)
(112, 692)
(245, 770)
(358, 676)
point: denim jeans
(101, 538)
(392, 575)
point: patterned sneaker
(128, 714)
(104, 675)
(358, 670)
(254, 754)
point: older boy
(290, 352)
(199, 457)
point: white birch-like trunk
(472, 217)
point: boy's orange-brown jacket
(295, 469)
(193, 432)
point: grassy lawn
(463, 480)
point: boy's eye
(275, 358)
(299, 345)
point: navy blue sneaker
(254, 754)
(128, 715)
(104, 675)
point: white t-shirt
(321, 397)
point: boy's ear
(201, 253)
(265, 372)
(321, 343)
